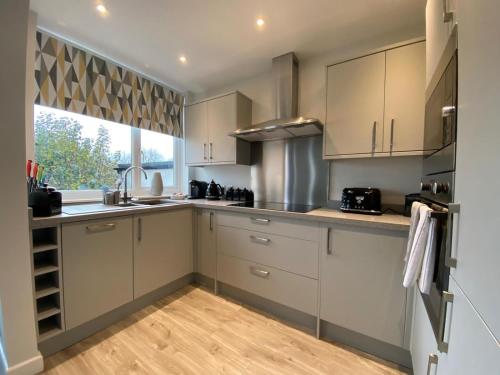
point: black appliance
(197, 189)
(437, 189)
(214, 191)
(409, 199)
(238, 194)
(45, 202)
(361, 201)
(288, 207)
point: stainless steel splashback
(290, 171)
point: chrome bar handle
(210, 150)
(211, 221)
(95, 228)
(139, 229)
(446, 298)
(433, 360)
(260, 239)
(374, 136)
(328, 248)
(447, 15)
(259, 272)
(204, 151)
(449, 261)
(260, 221)
(392, 134)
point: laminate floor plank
(193, 332)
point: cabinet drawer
(288, 254)
(283, 287)
(271, 224)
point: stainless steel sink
(152, 202)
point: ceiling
(220, 38)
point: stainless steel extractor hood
(286, 123)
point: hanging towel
(414, 262)
(415, 215)
(429, 261)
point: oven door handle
(449, 261)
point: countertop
(324, 215)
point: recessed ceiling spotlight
(182, 59)
(101, 9)
(260, 22)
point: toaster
(361, 201)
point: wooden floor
(195, 332)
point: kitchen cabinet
(361, 282)
(163, 249)
(404, 99)
(205, 243)
(472, 347)
(375, 104)
(355, 107)
(423, 345)
(207, 127)
(438, 30)
(97, 268)
(477, 241)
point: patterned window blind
(69, 78)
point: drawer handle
(433, 360)
(100, 227)
(260, 221)
(259, 272)
(260, 239)
(446, 298)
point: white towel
(415, 216)
(429, 261)
(414, 262)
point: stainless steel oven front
(437, 189)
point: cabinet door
(97, 268)
(355, 107)
(205, 247)
(423, 345)
(221, 121)
(196, 134)
(405, 99)
(362, 282)
(163, 250)
(437, 33)
(472, 348)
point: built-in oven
(437, 189)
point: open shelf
(44, 247)
(45, 262)
(49, 327)
(47, 306)
(45, 268)
(45, 237)
(46, 284)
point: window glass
(80, 152)
(157, 155)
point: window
(83, 155)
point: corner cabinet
(362, 282)
(97, 268)
(207, 127)
(163, 249)
(375, 104)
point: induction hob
(288, 207)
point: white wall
(312, 103)
(16, 294)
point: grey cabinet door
(355, 107)
(205, 243)
(361, 282)
(97, 268)
(196, 134)
(163, 249)
(221, 119)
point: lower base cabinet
(97, 265)
(163, 249)
(362, 282)
(205, 243)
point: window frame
(136, 190)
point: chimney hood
(287, 124)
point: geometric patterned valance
(69, 78)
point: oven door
(437, 301)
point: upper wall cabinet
(207, 125)
(440, 19)
(375, 104)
